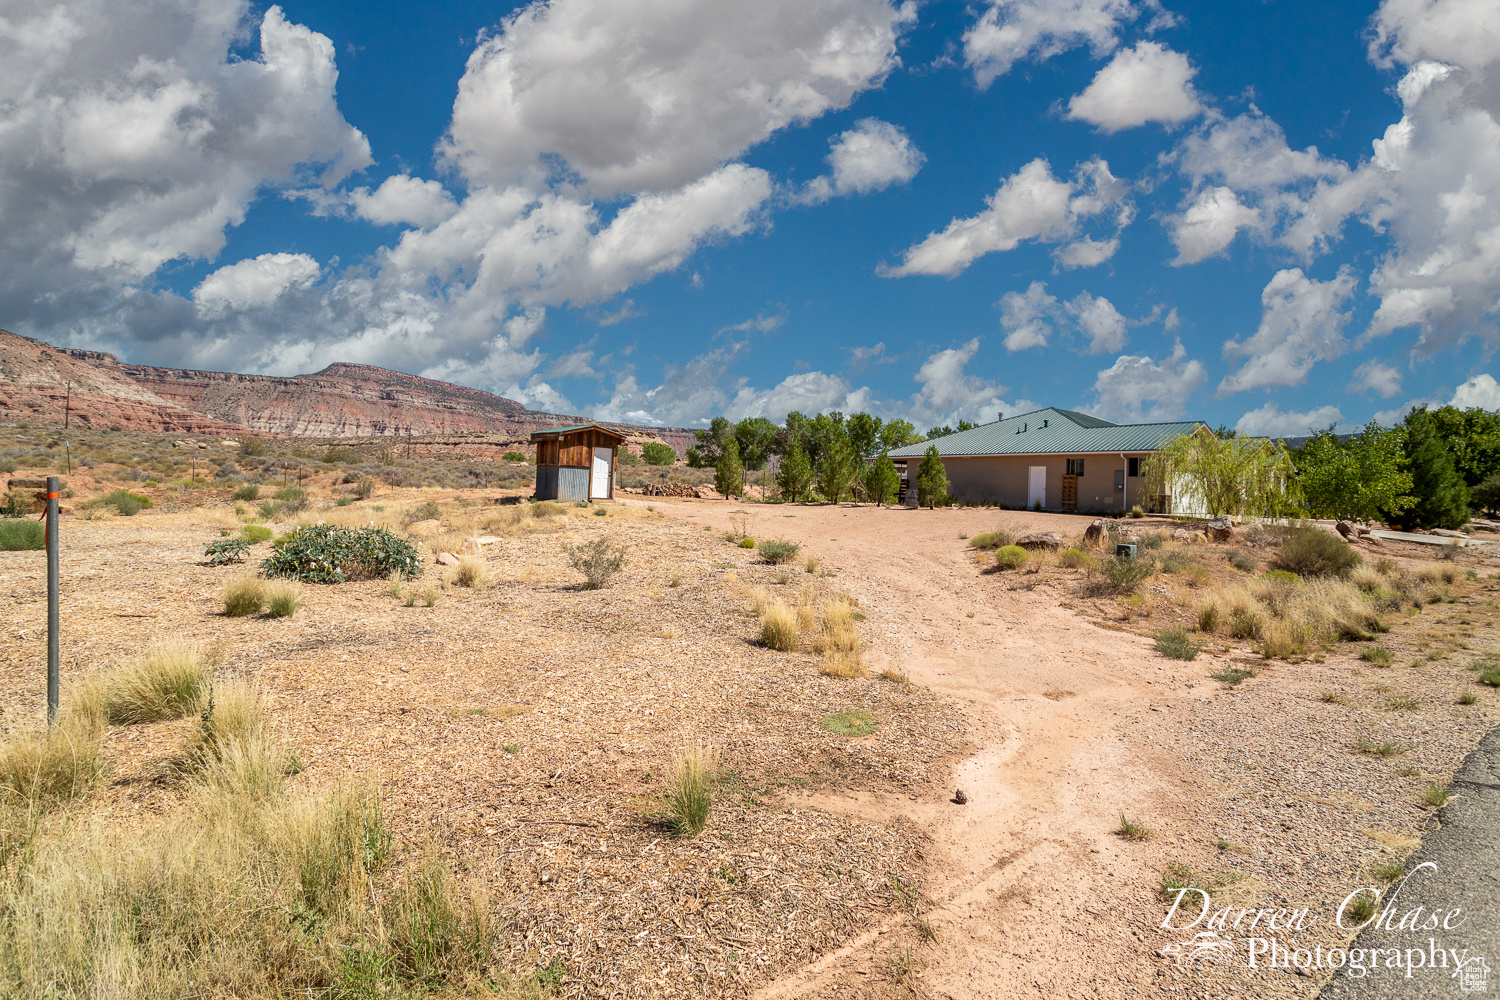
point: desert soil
(523, 729)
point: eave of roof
(555, 431)
(1066, 432)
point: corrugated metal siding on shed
(1067, 433)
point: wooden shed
(576, 463)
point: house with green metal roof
(1060, 459)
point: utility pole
(68, 406)
(52, 604)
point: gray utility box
(1125, 550)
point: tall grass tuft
(838, 641)
(20, 536)
(42, 769)
(471, 572)
(690, 791)
(244, 595)
(779, 628)
(1175, 644)
(283, 599)
(165, 682)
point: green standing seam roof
(1052, 431)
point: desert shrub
(779, 628)
(292, 498)
(471, 572)
(1175, 644)
(243, 596)
(7, 466)
(1245, 624)
(425, 511)
(251, 447)
(1137, 512)
(165, 682)
(1208, 618)
(747, 543)
(515, 456)
(777, 552)
(128, 504)
(1313, 552)
(1011, 557)
(1280, 576)
(247, 493)
(268, 509)
(364, 487)
(256, 533)
(336, 455)
(1076, 559)
(17, 503)
(690, 790)
(597, 561)
(991, 539)
(1243, 561)
(1153, 540)
(1118, 576)
(328, 553)
(21, 536)
(222, 551)
(546, 508)
(283, 599)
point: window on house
(1134, 466)
(1075, 466)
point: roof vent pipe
(1001, 415)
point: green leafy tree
(932, 479)
(1486, 496)
(898, 434)
(711, 443)
(795, 476)
(882, 480)
(756, 437)
(658, 453)
(1442, 496)
(822, 431)
(1473, 436)
(864, 434)
(837, 469)
(945, 430)
(1358, 479)
(1224, 475)
(793, 431)
(729, 473)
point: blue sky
(1270, 215)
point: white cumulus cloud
(1100, 322)
(1012, 31)
(1377, 377)
(1027, 317)
(1031, 204)
(1137, 389)
(404, 201)
(634, 97)
(871, 156)
(1481, 391)
(255, 283)
(1269, 421)
(1146, 83)
(1300, 324)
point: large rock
(1041, 540)
(1349, 531)
(475, 546)
(447, 559)
(423, 529)
(1220, 529)
(1094, 533)
(1182, 535)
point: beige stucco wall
(1004, 480)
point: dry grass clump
(1438, 573)
(471, 572)
(838, 641)
(283, 598)
(991, 539)
(41, 769)
(690, 789)
(1291, 619)
(779, 628)
(1076, 559)
(243, 596)
(165, 682)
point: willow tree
(1224, 475)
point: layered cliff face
(341, 401)
(43, 384)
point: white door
(1036, 486)
(599, 481)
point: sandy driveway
(1031, 892)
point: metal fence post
(52, 610)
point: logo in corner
(1473, 976)
(1206, 947)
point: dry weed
(165, 682)
(471, 572)
(838, 641)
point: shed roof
(575, 428)
(1052, 431)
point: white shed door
(599, 481)
(1036, 486)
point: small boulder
(959, 797)
(1094, 533)
(1220, 529)
(1448, 533)
(447, 559)
(424, 528)
(1347, 530)
(1050, 540)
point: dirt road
(1031, 893)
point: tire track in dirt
(1030, 891)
